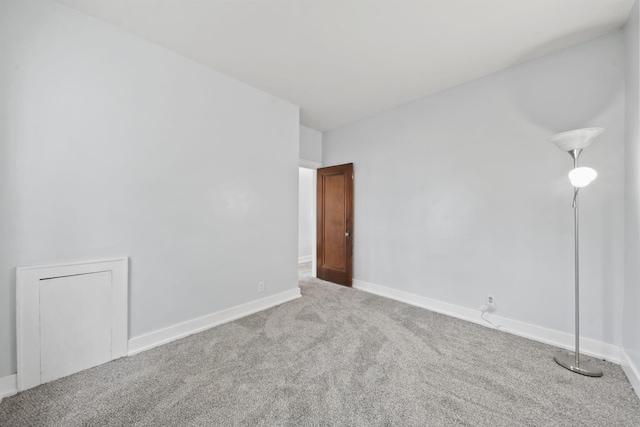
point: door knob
(347, 234)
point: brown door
(335, 224)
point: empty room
(319, 213)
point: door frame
(308, 164)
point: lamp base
(585, 366)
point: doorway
(307, 220)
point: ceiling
(341, 61)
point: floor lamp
(573, 142)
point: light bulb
(581, 177)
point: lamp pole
(576, 233)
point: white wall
(306, 217)
(631, 330)
(310, 145)
(460, 194)
(114, 146)
(310, 157)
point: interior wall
(306, 223)
(631, 330)
(459, 194)
(114, 146)
(310, 145)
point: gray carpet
(336, 356)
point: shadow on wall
(560, 101)
(549, 99)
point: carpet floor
(336, 356)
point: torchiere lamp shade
(578, 139)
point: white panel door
(75, 324)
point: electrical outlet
(260, 286)
(491, 302)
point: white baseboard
(8, 386)
(306, 258)
(181, 330)
(564, 340)
(631, 370)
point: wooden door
(335, 224)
